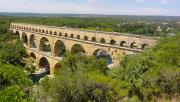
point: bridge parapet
(112, 38)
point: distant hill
(86, 15)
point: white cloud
(91, 1)
(161, 1)
(140, 1)
(43, 6)
(166, 1)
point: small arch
(77, 48)
(78, 36)
(44, 64)
(60, 34)
(93, 39)
(133, 45)
(42, 31)
(59, 49)
(85, 38)
(66, 35)
(50, 32)
(33, 29)
(144, 46)
(103, 41)
(72, 35)
(55, 33)
(45, 45)
(112, 42)
(47, 32)
(122, 43)
(36, 30)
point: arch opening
(32, 55)
(59, 49)
(55, 33)
(112, 42)
(66, 35)
(144, 46)
(32, 41)
(50, 32)
(72, 35)
(100, 53)
(133, 45)
(78, 36)
(25, 39)
(103, 41)
(44, 65)
(45, 45)
(46, 31)
(85, 38)
(93, 39)
(77, 48)
(122, 43)
(60, 34)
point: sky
(111, 7)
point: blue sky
(115, 7)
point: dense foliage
(15, 85)
(82, 79)
(153, 75)
(149, 76)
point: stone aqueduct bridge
(115, 44)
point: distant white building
(159, 29)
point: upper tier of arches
(94, 39)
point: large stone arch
(59, 48)
(77, 48)
(24, 38)
(44, 45)
(32, 41)
(44, 64)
